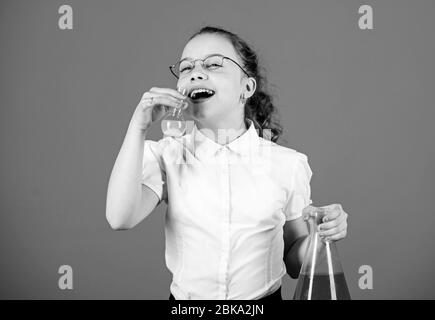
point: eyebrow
(209, 55)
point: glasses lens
(184, 67)
(213, 62)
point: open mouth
(201, 94)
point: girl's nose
(197, 76)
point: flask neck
(177, 112)
(315, 220)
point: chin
(203, 111)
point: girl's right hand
(153, 106)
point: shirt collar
(245, 145)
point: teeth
(196, 91)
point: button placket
(225, 182)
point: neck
(224, 131)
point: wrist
(138, 128)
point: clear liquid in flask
(173, 128)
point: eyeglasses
(214, 62)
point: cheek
(226, 101)
(229, 93)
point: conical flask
(173, 124)
(321, 276)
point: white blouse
(227, 205)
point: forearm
(124, 188)
(295, 256)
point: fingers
(334, 230)
(309, 211)
(185, 104)
(337, 236)
(333, 223)
(165, 96)
(167, 91)
(336, 226)
(332, 212)
(151, 100)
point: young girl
(234, 224)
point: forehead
(206, 44)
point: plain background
(359, 103)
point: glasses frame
(172, 67)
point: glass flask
(321, 276)
(173, 123)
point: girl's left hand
(334, 226)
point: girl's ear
(251, 86)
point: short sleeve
(153, 172)
(300, 192)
